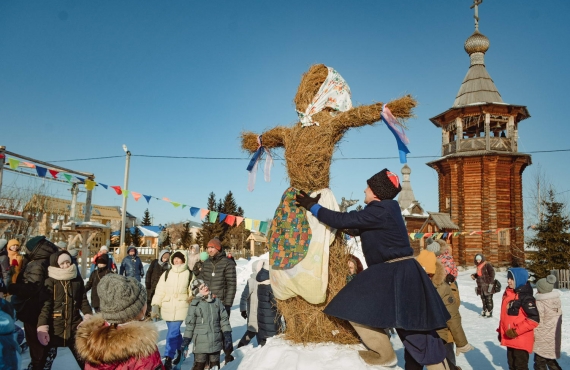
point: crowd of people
(113, 330)
(41, 287)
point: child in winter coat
(519, 317)
(248, 305)
(485, 277)
(94, 279)
(548, 334)
(207, 324)
(132, 266)
(155, 270)
(15, 257)
(354, 267)
(61, 312)
(172, 298)
(117, 338)
(268, 319)
(454, 331)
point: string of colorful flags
(201, 213)
(435, 236)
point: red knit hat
(215, 243)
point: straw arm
(273, 138)
(358, 116)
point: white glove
(466, 348)
(43, 335)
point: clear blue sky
(183, 78)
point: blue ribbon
(256, 155)
(402, 148)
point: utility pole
(122, 246)
(2, 161)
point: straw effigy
(308, 156)
(305, 322)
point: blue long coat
(132, 265)
(385, 295)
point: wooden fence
(562, 279)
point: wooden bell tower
(480, 169)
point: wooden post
(2, 161)
(487, 131)
(459, 129)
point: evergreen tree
(128, 236)
(210, 229)
(146, 218)
(552, 239)
(166, 242)
(186, 237)
(136, 237)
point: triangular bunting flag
(104, 185)
(13, 163)
(147, 197)
(166, 199)
(238, 220)
(175, 204)
(90, 184)
(81, 179)
(412, 235)
(136, 195)
(184, 205)
(125, 193)
(54, 173)
(256, 225)
(117, 189)
(222, 217)
(194, 211)
(213, 216)
(203, 213)
(263, 227)
(41, 171)
(230, 220)
(68, 178)
(248, 222)
(29, 165)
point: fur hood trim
(440, 273)
(545, 296)
(98, 343)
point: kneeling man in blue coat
(394, 291)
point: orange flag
(203, 213)
(136, 195)
(238, 220)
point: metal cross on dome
(475, 5)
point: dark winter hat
(196, 284)
(545, 285)
(215, 243)
(122, 299)
(104, 258)
(385, 184)
(179, 255)
(34, 242)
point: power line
(278, 158)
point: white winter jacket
(173, 295)
(548, 334)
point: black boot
(215, 365)
(199, 366)
(168, 363)
(177, 358)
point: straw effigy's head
(309, 86)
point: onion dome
(477, 43)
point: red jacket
(519, 312)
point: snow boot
(484, 313)
(489, 314)
(378, 342)
(215, 365)
(199, 366)
(168, 363)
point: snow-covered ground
(278, 354)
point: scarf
(62, 274)
(334, 93)
(480, 268)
